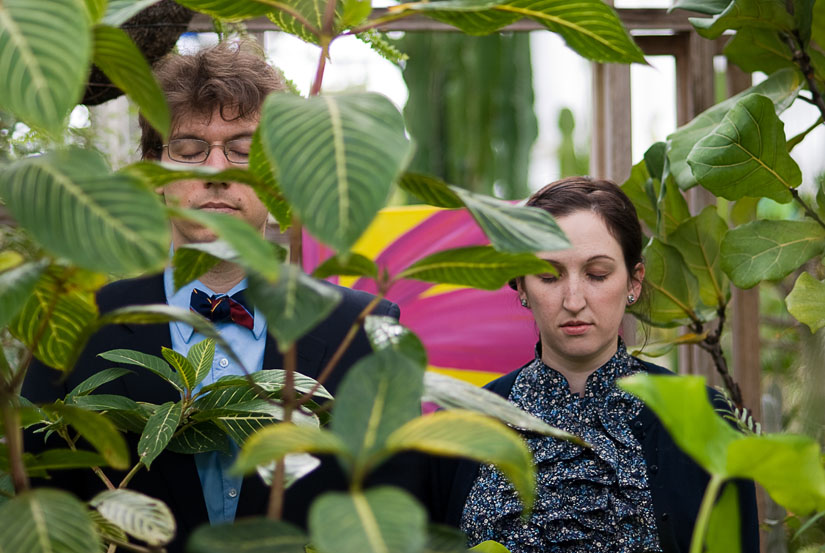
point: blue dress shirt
(220, 491)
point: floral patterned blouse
(587, 499)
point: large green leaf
(200, 438)
(474, 436)
(200, 356)
(62, 459)
(768, 250)
(230, 10)
(120, 11)
(57, 315)
(192, 261)
(781, 87)
(476, 266)
(16, 285)
(250, 535)
(312, 12)
(293, 305)
(386, 332)
(159, 430)
(655, 208)
(268, 189)
(723, 519)
(182, 366)
(379, 394)
(745, 155)
(98, 431)
(707, 7)
(45, 46)
(96, 9)
(141, 516)
(430, 190)
(46, 521)
(350, 264)
(759, 50)
(270, 380)
(274, 442)
(337, 157)
(75, 208)
(698, 240)
(806, 302)
(103, 402)
(149, 362)
(380, 520)
(96, 380)
(683, 407)
(118, 57)
(746, 13)
(674, 290)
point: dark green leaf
(759, 50)
(141, 516)
(269, 380)
(122, 61)
(387, 333)
(16, 285)
(351, 264)
(159, 430)
(104, 402)
(98, 431)
(476, 266)
(153, 174)
(723, 535)
(182, 366)
(200, 438)
(768, 250)
(698, 240)
(274, 442)
(707, 7)
(746, 13)
(336, 157)
(96, 380)
(293, 305)
(62, 459)
(251, 535)
(445, 539)
(149, 362)
(192, 261)
(376, 521)
(806, 302)
(430, 190)
(745, 155)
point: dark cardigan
(677, 483)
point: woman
(634, 490)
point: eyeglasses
(194, 150)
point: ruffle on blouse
(587, 499)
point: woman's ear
(634, 285)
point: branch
(14, 442)
(128, 477)
(808, 210)
(713, 345)
(276, 496)
(803, 61)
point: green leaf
(806, 302)
(96, 380)
(337, 157)
(98, 431)
(120, 60)
(275, 441)
(200, 356)
(474, 436)
(254, 253)
(200, 438)
(70, 204)
(313, 13)
(477, 266)
(120, 11)
(770, 14)
(269, 380)
(759, 50)
(96, 8)
(230, 10)
(45, 47)
(16, 285)
(154, 174)
(707, 7)
(159, 430)
(698, 240)
(380, 393)
(46, 521)
(489, 546)
(681, 403)
(351, 264)
(140, 516)
(182, 366)
(430, 190)
(645, 191)
(192, 261)
(674, 290)
(62, 459)
(768, 250)
(452, 393)
(103, 402)
(782, 88)
(723, 535)
(514, 229)
(445, 539)
(355, 12)
(105, 529)
(250, 535)
(267, 187)
(294, 305)
(766, 459)
(56, 316)
(386, 332)
(148, 362)
(379, 520)
(745, 155)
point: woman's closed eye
(598, 277)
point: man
(215, 98)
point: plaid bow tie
(221, 308)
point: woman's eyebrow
(599, 257)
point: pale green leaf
(380, 520)
(96, 8)
(698, 240)
(16, 285)
(770, 14)
(806, 302)
(386, 332)
(46, 521)
(267, 187)
(159, 430)
(139, 515)
(182, 366)
(745, 155)
(312, 11)
(98, 431)
(45, 48)
(149, 362)
(200, 356)
(489, 546)
(473, 436)
(351, 264)
(722, 536)
(430, 190)
(270, 380)
(768, 250)
(782, 88)
(274, 442)
(96, 380)
(674, 290)
(337, 157)
(250, 535)
(120, 11)
(354, 12)
(293, 305)
(477, 266)
(230, 10)
(75, 208)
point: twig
(803, 61)
(132, 473)
(713, 345)
(276, 496)
(808, 210)
(134, 547)
(14, 443)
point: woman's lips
(575, 328)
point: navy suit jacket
(173, 477)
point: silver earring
(631, 299)
(524, 302)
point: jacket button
(654, 469)
(665, 516)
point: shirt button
(224, 363)
(654, 469)
(233, 492)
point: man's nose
(216, 157)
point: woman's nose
(573, 297)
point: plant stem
(276, 495)
(319, 71)
(128, 477)
(702, 520)
(803, 61)
(713, 345)
(134, 547)
(286, 8)
(14, 442)
(808, 210)
(336, 357)
(100, 474)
